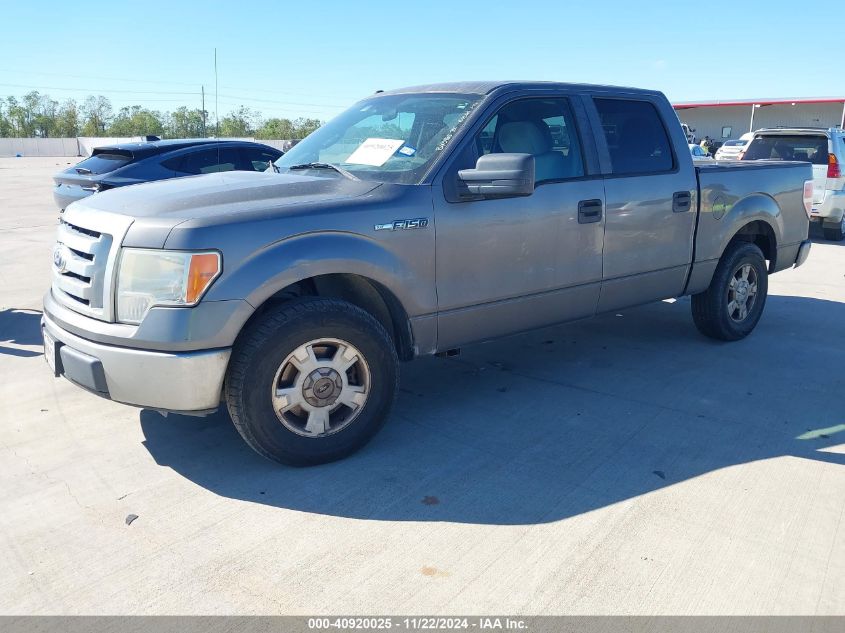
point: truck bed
(726, 192)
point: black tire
(263, 348)
(710, 308)
(834, 233)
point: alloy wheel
(321, 387)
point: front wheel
(730, 308)
(311, 381)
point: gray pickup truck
(417, 221)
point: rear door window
(635, 136)
(800, 147)
(205, 161)
(104, 162)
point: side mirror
(500, 176)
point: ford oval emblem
(60, 257)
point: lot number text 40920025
(420, 623)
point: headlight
(150, 278)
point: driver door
(511, 264)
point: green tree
(27, 113)
(276, 129)
(67, 119)
(45, 117)
(136, 121)
(5, 122)
(96, 114)
(240, 122)
(303, 127)
(19, 117)
(9, 107)
(36, 114)
(185, 123)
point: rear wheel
(312, 381)
(731, 307)
(836, 232)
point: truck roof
(486, 87)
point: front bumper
(831, 209)
(168, 381)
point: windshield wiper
(339, 170)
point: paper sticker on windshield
(407, 150)
(374, 151)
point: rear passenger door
(650, 200)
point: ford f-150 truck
(417, 221)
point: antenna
(216, 111)
(204, 133)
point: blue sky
(314, 58)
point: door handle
(681, 201)
(589, 211)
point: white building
(723, 120)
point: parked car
(132, 163)
(825, 149)
(292, 296)
(699, 153)
(733, 149)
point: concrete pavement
(622, 465)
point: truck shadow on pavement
(551, 424)
(20, 327)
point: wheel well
(761, 234)
(367, 294)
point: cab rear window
(103, 163)
(811, 149)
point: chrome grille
(85, 258)
(79, 266)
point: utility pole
(204, 133)
(216, 111)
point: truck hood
(213, 195)
(152, 210)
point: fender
(305, 255)
(718, 226)
(751, 208)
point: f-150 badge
(396, 225)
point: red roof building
(730, 118)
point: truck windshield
(389, 138)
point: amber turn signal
(203, 269)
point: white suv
(825, 149)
